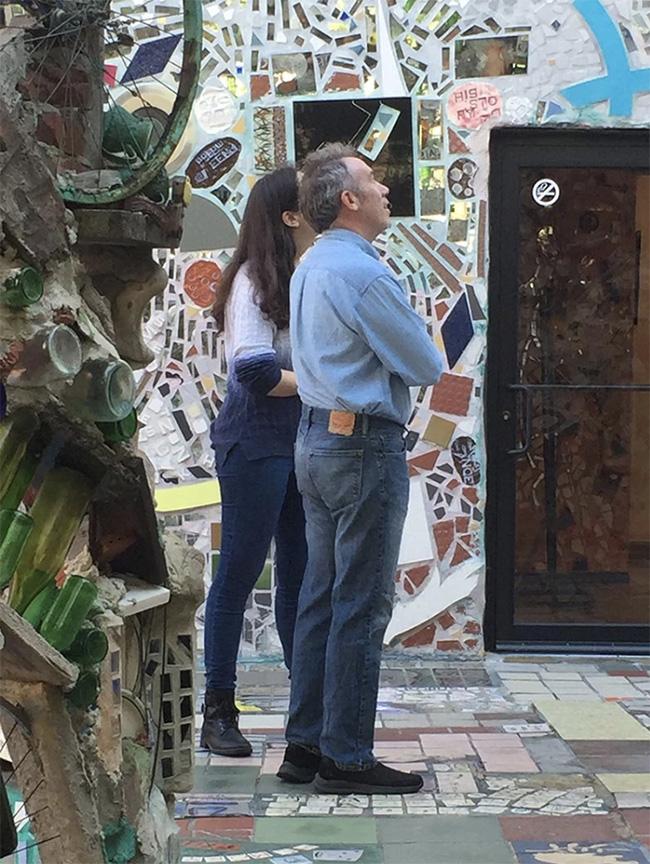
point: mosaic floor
(542, 761)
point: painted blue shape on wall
(621, 82)
(553, 108)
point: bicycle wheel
(22, 796)
(88, 63)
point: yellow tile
(439, 431)
(625, 782)
(589, 721)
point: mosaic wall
(415, 85)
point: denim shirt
(256, 354)
(357, 343)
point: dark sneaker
(300, 764)
(379, 780)
(220, 731)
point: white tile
(261, 721)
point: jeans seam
(379, 565)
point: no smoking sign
(546, 192)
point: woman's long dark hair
(267, 245)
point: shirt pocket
(337, 475)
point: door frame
(510, 150)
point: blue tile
(457, 331)
(151, 58)
(620, 851)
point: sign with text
(470, 105)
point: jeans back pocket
(337, 476)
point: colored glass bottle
(39, 606)
(57, 513)
(23, 287)
(120, 430)
(50, 355)
(16, 492)
(16, 431)
(103, 391)
(86, 690)
(89, 647)
(15, 528)
(65, 616)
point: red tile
(343, 81)
(425, 636)
(451, 395)
(472, 627)
(443, 533)
(593, 829)
(426, 461)
(460, 555)
(260, 86)
(639, 822)
(446, 620)
(626, 673)
(184, 827)
(406, 734)
(417, 575)
(449, 645)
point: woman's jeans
(260, 502)
(355, 490)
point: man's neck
(352, 226)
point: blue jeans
(259, 501)
(355, 492)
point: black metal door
(568, 391)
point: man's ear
(290, 219)
(349, 200)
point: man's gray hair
(324, 177)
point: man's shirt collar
(353, 238)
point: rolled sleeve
(259, 373)
(397, 334)
(254, 360)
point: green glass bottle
(103, 390)
(57, 513)
(120, 430)
(23, 287)
(65, 616)
(22, 478)
(16, 431)
(15, 528)
(39, 606)
(89, 647)
(86, 690)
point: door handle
(527, 417)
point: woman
(253, 439)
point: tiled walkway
(542, 760)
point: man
(357, 347)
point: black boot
(220, 732)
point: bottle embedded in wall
(23, 287)
(57, 512)
(65, 617)
(102, 391)
(51, 355)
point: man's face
(371, 198)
